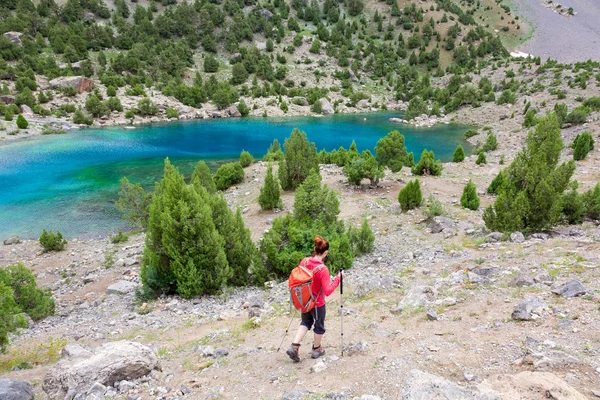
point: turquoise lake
(70, 182)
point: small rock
(523, 280)
(318, 367)
(206, 351)
(495, 237)
(532, 307)
(184, 390)
(221, 352)
(121, 287)
(15, 390)
(12, 240)
(97, 390)
(517, 237)
(432, 316)
(572, 288)
(90, 278)
(356, 348)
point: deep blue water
(70, 182)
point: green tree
(51, 241)
(239, 74)
(391, 152)
(362, 240)
(8, 315)
(269, 45)
(355, 7)
(372, 169)
(35, 302)
(184, 253)
(239, 249)
(246, 159)
(428, 165)
(582, 145)
(315, 48)
(497, 183)
(243, 108)
(210, 64)
(410, 196)
(481, 158)
(270, 195)
(133, 203)
(491, 143)
(228, 174)
(315, 202)
(530, 197)
(573, 206)
(146, 107)
(416, 107)
(8, 115)
(459, 154)
(591, 202)
(204, 177)
(22, 122)
(300, 158)
(355, 170)
(469, 198)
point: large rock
(80, 83)
(418, 296)
(110, 363)
(121, 287)
(326, 106)
(517, 237)
(14, 37)
(12, 240)
(533, 386)
(363, 104)
(530, 308)
(15, 390)
(572, 288)
(441, 224)
(7, 99)
(553, 359)
(422, 385)
(301, 101)
(233, 111)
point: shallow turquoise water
(70, 182)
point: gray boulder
(441, 224)
(121, 287)
(554, 359)
(326, 106)
(495, 237)
(572, 288)
(80, 83)
(7, 99)
(530, 308)
(523, 280)
(418, 296)
(15, 390)
(301, 101)
(422, 385)
(356, 348)
(517, 237)
(12, 240)
(14, 37)
(233, 111)
(363, 104)
(74, 350)
(110, 363)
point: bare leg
(300, 334)
(317, 342)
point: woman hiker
(322, 286)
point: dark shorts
(316, 317)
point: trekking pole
(286, 331)
(342, 308)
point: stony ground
(468, 282)
(558, 36)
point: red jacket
(322, 284)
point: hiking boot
(292, 351)
(317, 352)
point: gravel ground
(558, 37)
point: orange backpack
(300, 284)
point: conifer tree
(530, 198)
(300, 158)
(22, 122)
(391, 151)
(410, 196)
(481, 158)
(184, 252)
(459, 154)
(205, 178)
(428, 165)
(314, 202)
(270, 195)
(469, 198)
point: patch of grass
(109, 259)
(43, 354)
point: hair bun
(321, 245)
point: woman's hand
(341, 274)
